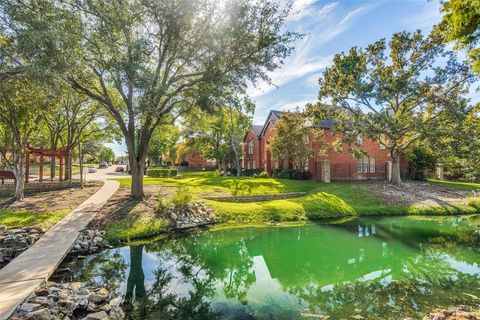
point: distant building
(343, 165)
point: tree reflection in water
(398, 270)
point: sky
(330, 27)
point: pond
(377, 268)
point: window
(359, 165)
(306, 165)
(359, 140)
(250, 147)
(383, 141)
(365, 164)
(253, 165)
(372, 164)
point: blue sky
(331, 27)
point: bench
(7, 175)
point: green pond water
(378, 268)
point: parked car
(109, 164)
(103, 164)
(119, 169)
(92, 169)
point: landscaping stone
(68, 301)
(15, 241)
(89, 241)
(194, 214)
(455, 313)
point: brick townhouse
(343, 165)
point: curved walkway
(32, 268)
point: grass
(321, 201)
(202, 182)
(467, 186)
(23, 218)
(136, 220)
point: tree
(402, 94)
(143, 60)
(23, 104)
(292, 139)
(106, 154)
(164, 139)
(461, 24)
(237, 116)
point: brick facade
(343, 165)
(197, 160)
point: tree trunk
(224, 167)
(396, 178)
(19, 172)
(136, 170)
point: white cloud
(304, 8)
(305, 60)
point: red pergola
(42, 153)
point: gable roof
(277, 114)
(257, 129)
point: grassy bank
(25, 218)
(322, 201)
(460, 185)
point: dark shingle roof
(257, 129)
(326, 123)
(277, 113)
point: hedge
(291, 174)
(251, 172)
(162, 173)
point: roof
(326, 123)
(257, 129)
(276, 113)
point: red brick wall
(343, 165)
(251, 159)
(197, 160)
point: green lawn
(456, 184)
(338, 199)
(23, 218)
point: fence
(34, 187)
(349, 171)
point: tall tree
(23, 104)
(293, 139)
(164, 139)
(400, 91)
(237, 116)
(461, 24)
(144, 59)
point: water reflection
(392, 268)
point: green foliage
(263, 174)
(407, 89)
(461, 24)
(255, 175)
(182, 197)
(293, 139)
(421, 161)
(106, 154)
(162, 173)
(251, 172)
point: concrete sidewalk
(33, 267)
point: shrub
(163, 204)
(182, 197)
(255, 176)
(250, 172)
(263, 174)
(162, 173)
(301, 175)
(276, 173)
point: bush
(162, 173)
(163, 204)
(250, 172)
(263, 174)
(276, 173)
(292, 174)
(182, 197)
(255, 176)
(232, 171)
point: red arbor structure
(42, 154)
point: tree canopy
(398, 92)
